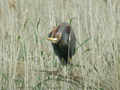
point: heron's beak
(53, 40)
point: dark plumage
(63, 41)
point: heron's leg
(69, 60)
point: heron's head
(55, 36)
(60, 34)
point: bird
(63, 41)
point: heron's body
(64, 48)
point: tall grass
(27, 61)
